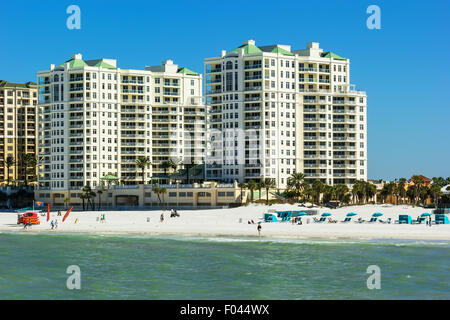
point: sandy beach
(225, 223)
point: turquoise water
(33, 266)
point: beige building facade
(18, 123)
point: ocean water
(33, 266)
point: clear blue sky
(404, 67)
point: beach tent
(269, 217)
(404, 218)
(441, 219)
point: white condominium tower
(273, 111)
(97, 119)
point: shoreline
(233, 222)
(268, 237)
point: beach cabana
(441, 219)
(270, 217)
(404, 219)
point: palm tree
(28, 160)
(83, 197)
(99, 193)
(66, 202)
(251, 185)
(267, 183)
(188, 166)
(418, 182)
(173, 164)
(142, 163)
(317, 188)
(242, 185)
(89, 195)
(401, 188)
(341, 191)
(159, 192)
(259, 186)
(165, 165)
(296, 182)
(9, 163)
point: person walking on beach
(59, 213)
(259, 230)
(56, 223)
(52, 224)
(161, 219)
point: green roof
(4, 83)
(74, 63)
(282, 51)
(248, 49)
(187, 71)
(103, 64)
(333, 55)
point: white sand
(225, 222)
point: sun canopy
(377, 214)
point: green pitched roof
(74, 63)
(282, 51)
(187, 71)
(248, 49)
(103, 64)
(333, 55)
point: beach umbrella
(326, 214)
(301, 214)
(377, 214)
(425, 214)
(351, 214)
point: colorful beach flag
(67, 214)
(38, 204)
(48, 211)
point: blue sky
(404, 67)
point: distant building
(18, 123)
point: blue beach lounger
(404, 218)
(348, 219)
(441, 219)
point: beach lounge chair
(441, 219)
(348, 219)
(322, 219)
(373, 219)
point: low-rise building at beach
(208, 194)
(273, 111)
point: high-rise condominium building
(18, 107)
(273, 111)
(97, 119)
